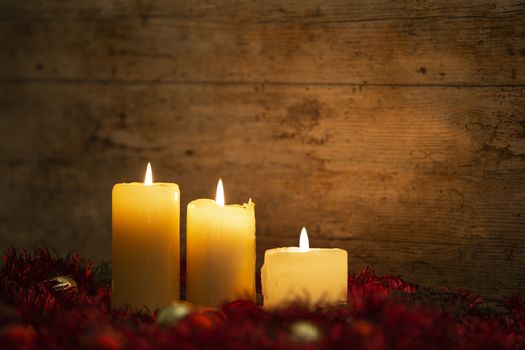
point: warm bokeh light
(219, 197)
(304, 245)
(148, 180)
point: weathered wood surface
(392, 129)
(471, 44)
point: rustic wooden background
(394, 129)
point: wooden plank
(251, 11)
(487, 48)
(419, 181)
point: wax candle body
(145, 245)
(220, 252)
(317, 276)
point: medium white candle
(145, 244)
(220, 251)
(314, 275)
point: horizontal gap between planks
(293, 19)
(75, 81)
(424, 243)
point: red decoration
(384, 312)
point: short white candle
(318, 276)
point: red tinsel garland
(384, 312)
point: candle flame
(148, 180)
(219, 197)
(304, 245)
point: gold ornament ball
(305, 331)
(63, 283)
(174, 313)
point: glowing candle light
(220, 251)
(219, 196)
(145, 243)
(304, 245)
(317, 276)
(148, 179)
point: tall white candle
(145, 244)
(220, 251)
(316, 276)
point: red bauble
(18, 337)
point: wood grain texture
(462, 45)
(422, 182)
(393, 129)
(224, 11)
